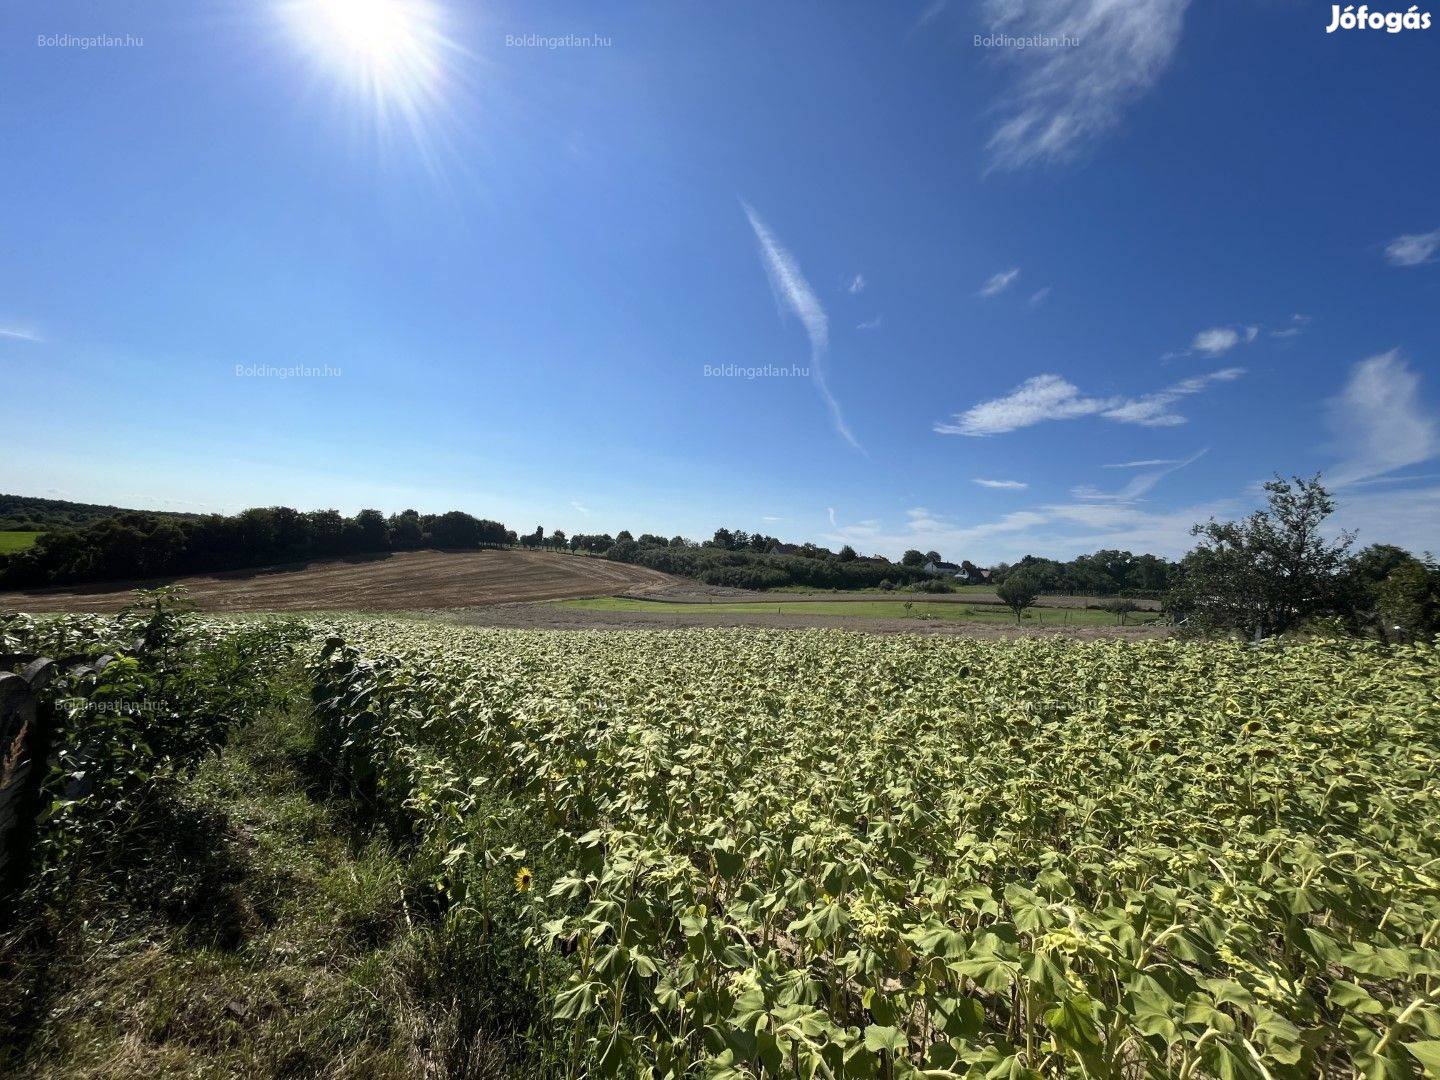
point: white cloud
(1153, 410)
(931, 12)
(1380, 422)
(1251, 333)
(998, 283)
(1295, 328)
(1061, 530)
(1410, 518)
(857, 284)
(581, 509)
(830, 512)
(1050, 397)
(1147, 463)
(791, 287)
(1414, 249)
(1213, 342)
(869, 324)
(1039, 296)
(770, 519)
(1042, 397)
(1001, 485)
(18, 335)
(1141, 484)
(1066, 97)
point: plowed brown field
(403, 581)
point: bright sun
(389, 50)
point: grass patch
(868, 609)
(13, 540)
(294, 940)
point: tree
(933, 556)
(557, 539)
(847, 554)
(455, 529)
(913, 558)
(1018, 592)
(405, 531)
(371, 531)
(1270, 572)
(1408, 601)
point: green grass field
(12, 540)
(877, 609)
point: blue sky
(1031, 300)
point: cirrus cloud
(1050, 397)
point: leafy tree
(1018, 592)
(405, 531)
(847, 554)
(372, 533)
(1271, 571)
(455, 529)
(1408, 601)
(933, 556)
(913, 558)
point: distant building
(942, 569)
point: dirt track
(402, 581)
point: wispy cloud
(1050, 397)
(1139, 485)
(869, 324)
(1214, 342)
(1001, 485)
(1060, 530)
(1039, 296)
(791, 287)
(1294, 328)
(930, 13)
(857, 285)
(830, 513)
(1413, 249)
(17, 334)
(1380, 422)
(998, 283)
(1146, 464)
(1066, 97)
(1154, 410)
(585, 510)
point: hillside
(396, 582)
(35, 514)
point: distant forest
(85, 543)
(26, 514)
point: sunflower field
(829, 854)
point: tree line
(1273, 572)
(136, 544)
(1277, 571)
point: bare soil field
(552, 617)
(401, 581)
